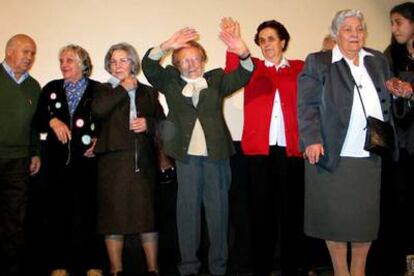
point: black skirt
(343, 205)
(125, 197)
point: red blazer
(259, 96)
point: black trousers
(240, 235)
(72, 240)
(396, 238)
(276, 185)
(14, 179)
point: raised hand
(179, 39)
(230, 26)
(230, 35)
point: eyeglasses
(190, 60)
(270, 39)
(121, 62)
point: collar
(10, 72)
(337, 55)
(74, 85)
(187, 80)
(193, 87)
(114, 81)
(283, 63)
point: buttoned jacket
(325, 98)
(177, 129)
(111, 108)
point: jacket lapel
(346, 75)
(372, 71)
(379, 82)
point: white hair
(340, 17)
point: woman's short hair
(405, 9)
(340, 17)
(132, 56)
(82, 54)
(191, 44)
(280, 29)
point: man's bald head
(18, 39)
(20, 53)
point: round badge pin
(53, 96)
(86, 139)
(58, 105)
(80, 123)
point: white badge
(80, 122)
(86, 139)
(58, 105)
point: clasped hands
(400, 88)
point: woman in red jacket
(270, 140)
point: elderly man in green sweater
(19, 146)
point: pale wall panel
(97, 24)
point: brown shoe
(94, 272)
(59, 272)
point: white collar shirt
(353, 145)
(277, 125)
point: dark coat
(182, 115)
(325, 98)
(69, 177)
(53, 104)
(403, 68)
(111, 107)
(125, 195)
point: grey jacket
(325, 97)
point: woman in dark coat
(64, 113)
(128, 112)
(342, 179)
(399, 196)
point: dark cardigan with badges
(53, 103)
(69, 177)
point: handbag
(379, 137)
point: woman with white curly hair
(338, 89)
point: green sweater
(18, 104)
